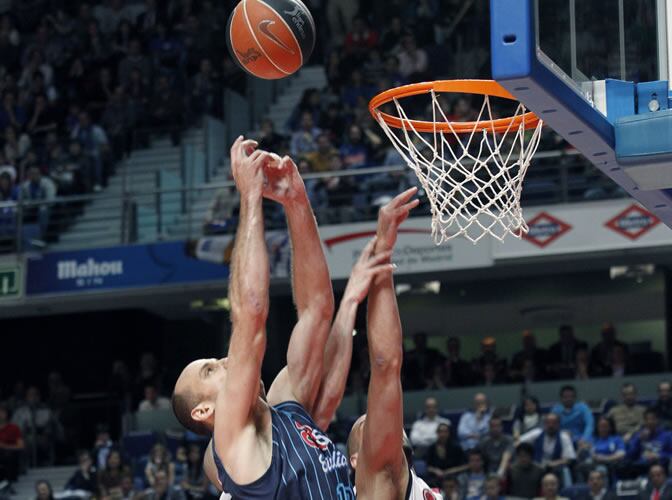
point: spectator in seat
(110, 478)
(11, 113)
(553, 448)
(530, 352)
(321, 158)
(38, 425)
(562, 354)
(420, 361)
(497, 448)
(338, 191)
(492, 490)
(162, 489)
(490, 376)
(657, 487)
(102, 446)
(450, 488)
(455, 370)
(424, 430)
(597, 487)
(153, 401)
(527, 418)
(663, 406)
(95, 145)
(355, 89)
(134, 60)
(43, 490)
(11, 447)
(550, 485)
(628, 416)
(582, 367)
(575, 417)
(43, 120)
(195, 482)
(269, 139)
(127, 488)
(16, 145)
(472, 481)
(303, 141)
(601, 356)
(605, 449)
(361, 38)
(620, 363)
(413, 61)
(524, 476)
(159, 461)
(474, 424)
(181, 464)
(650, 445)
(84, 478)
(489, 356)
(393, 35)
(445, 457)
(166, 109)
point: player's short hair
(182, 406)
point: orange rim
(484, 87)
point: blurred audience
(474, 424)
(575, 416)
(445, 456)
(424, 430)
(628, 416)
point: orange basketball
(271, 39)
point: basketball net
(473, 178)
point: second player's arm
(381, 451)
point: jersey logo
(264, 28)
(428, 495)
(312, 437)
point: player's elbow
(387, 363)
(322, 307)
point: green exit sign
(11, 284)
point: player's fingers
(368, 250)
(235, 148)
(379, 258)
(403, 198)
(287, 162)
(249, 146)
(260, 158)
(382, 270)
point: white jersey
(420, 491)
(225, 496)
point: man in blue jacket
(575, 417)
(651, 445)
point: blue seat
(138, 444)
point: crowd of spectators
(82, 83)
(566, 443)
(569, 358)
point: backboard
(598, 73)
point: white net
(473, 180)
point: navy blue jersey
(305, 466)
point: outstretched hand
(247, 164)
(367, 267)
(283, 181)
(391, 216)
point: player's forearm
(311, 281)
(384, 325)
(337, 359)
(250, 279)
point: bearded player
(377, 440)
(268, 449)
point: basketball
(271, 39)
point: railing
(175, 206)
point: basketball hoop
(472, 171)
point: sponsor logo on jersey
(250, 55)
(312, 437)
(335, 460)
(544, 229)
(633, 222)
(264, 27)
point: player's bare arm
(338, 351)
(312, 290)
(382, 470)
(242, 430)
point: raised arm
(381, 453)
(313, 295)
(235, 431)
(338, 352)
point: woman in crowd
(43, 491)
(527, 417)
(445, 457)
(159, 460)
(195, 483)
(605, 449)
(110, 478)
